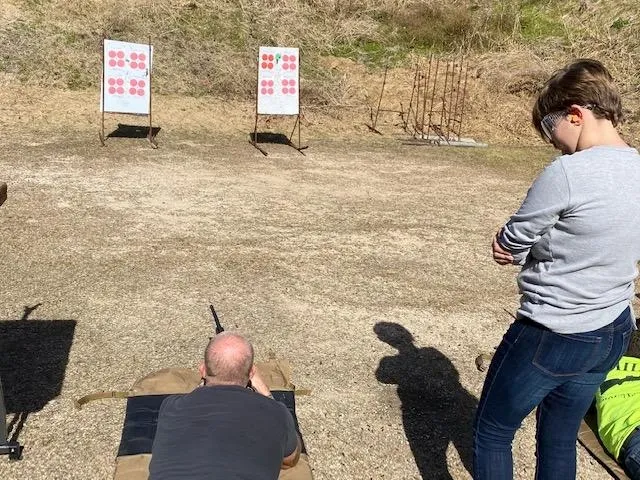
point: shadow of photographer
(436, 408)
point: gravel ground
(365, 263)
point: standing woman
(577, 238)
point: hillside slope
(208, 47)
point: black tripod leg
(13, 449)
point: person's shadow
(436, 408)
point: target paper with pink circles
(126, 77)
(278, 81)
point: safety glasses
(550, 121)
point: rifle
(218, 327)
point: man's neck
(214, 382)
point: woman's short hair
(582, 82)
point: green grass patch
(536, 23)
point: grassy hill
(208, 47)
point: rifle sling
(100, 395)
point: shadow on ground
(436, 408)
(269, 137)
(133, 131)
(33, 360)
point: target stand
(280, 138)
(278, 93)
(125, 87)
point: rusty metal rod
(413, 90)
(384, 82)
(464, 95)
(444, 97)
(415, 117)
(455, 111)
(426, 94)
(433, 95)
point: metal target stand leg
(254, 139)
(299, 147)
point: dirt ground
(365, 263)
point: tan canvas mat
(276, 374)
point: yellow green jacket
(618, 404)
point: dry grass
(208, 46)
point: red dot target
(277, 90)
(126, 70)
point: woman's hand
(500, 255)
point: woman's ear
(575, 115)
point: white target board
(278, 81)
(125, 86)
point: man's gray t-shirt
(221, 432)
(577, 237)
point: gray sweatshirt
(577, 237)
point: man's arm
(293, 443)
(547, 198)
(292, 436)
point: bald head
(228, 359)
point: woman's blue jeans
(559, 374)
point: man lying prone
(228, 428)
